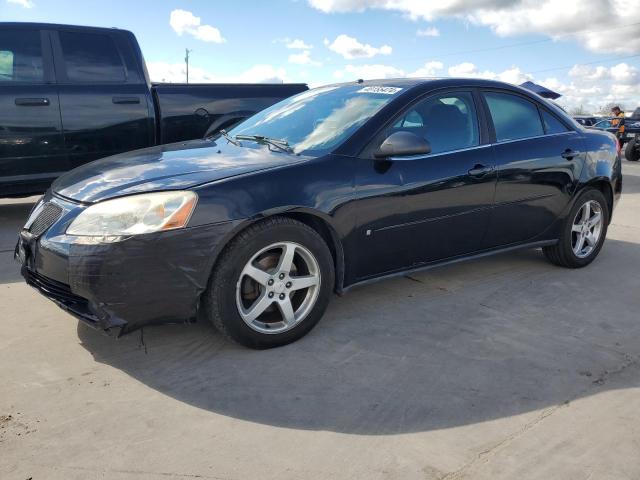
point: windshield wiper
(275, 142)
(229, 138)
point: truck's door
(31, 143)
(104, 98)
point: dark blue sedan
(255, 228)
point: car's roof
(434, 83)
(54, 26)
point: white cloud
(183, 21)
(429, 69)
(554, 18)
(351, 48)
(303, 58)
(428, 32)
(175, 73)
(22, 3)
(593, 86)
(298, 44)
(354, 72)
(469, 70)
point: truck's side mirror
(402, 144)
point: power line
(522, 44)
(612, 59)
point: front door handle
(32, 102)
(125, 100)
(569, 154)
(479, 170)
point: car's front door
(31, 143)
(538, 158)
(419, 209)
(103, 100)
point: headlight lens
(135, 214)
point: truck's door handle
(569, 154)
(479, 171)
(125, 100)
(32, 102)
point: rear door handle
(32, 102)
(569, 154)
(125, 100)
(479, 170)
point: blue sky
(323, 41)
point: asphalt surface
(500, 368)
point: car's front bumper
(122, 285)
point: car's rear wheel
(271, 284)
(632, 151)
(583, 233)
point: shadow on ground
(12, 217)
(454, 346)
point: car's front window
(317, 121)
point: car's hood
(166, 167)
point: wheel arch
(602, 184)
(312, 218)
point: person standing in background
(618, 121)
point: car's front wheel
(271, 284)
(583, 233)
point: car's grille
(55, 290)
(49, 214)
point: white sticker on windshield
(383, 90)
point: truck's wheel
(271, 284)
(632, 151)
(583, 233)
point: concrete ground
(501, 368)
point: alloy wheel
(586, 229)
(278, 287)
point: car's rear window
(513, 117)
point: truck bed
(187, 111)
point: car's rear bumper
(123, 285)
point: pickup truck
(632, 132)
(71, 94)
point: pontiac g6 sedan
(255, 228)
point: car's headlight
(135, 214)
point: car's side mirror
(402, 144)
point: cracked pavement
(505, 367)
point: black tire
(562, 253)
(632, 151)
(220, 298)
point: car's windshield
(317, 121)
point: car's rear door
(31, 143)
(538, 157)
(429, 207)
(103, 96)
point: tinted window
(513, 117)
(20, 56)
(551, 123)
(448, 122)
(91, 57)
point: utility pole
(186, 61)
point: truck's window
(20, 56)
(91, 57)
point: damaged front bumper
(118, 286)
